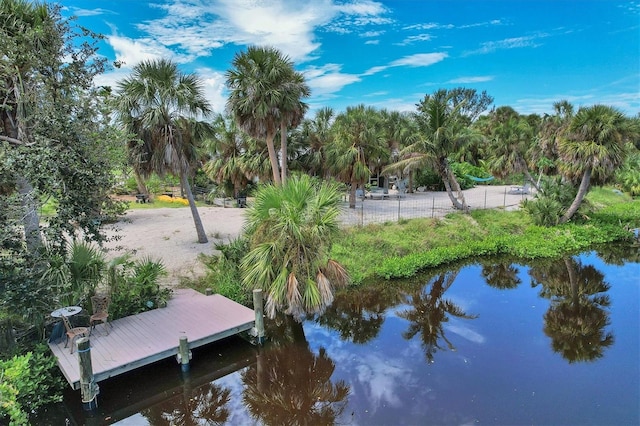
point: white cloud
(214, 87)
(372, 42)
(508, 43)
(196, 27)
(327, 79)
(468, 80)
(130, 52)
(415, 38)
(90, 12)
(417, 60)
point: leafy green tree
(159, 105)
(291, 229)
(358, 139)
(595, 147)
(265, 96)
(54, 145)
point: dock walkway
(148, 337)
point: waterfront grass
(398, 250)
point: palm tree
(399, 131)
(358, 137)
(290, 229)
(159, 104)
(311, 140)
(511, 138)
(595, 146)
(266, 96)
(227, 148)
(444, 131)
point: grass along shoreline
(400, 250)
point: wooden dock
(148, 337)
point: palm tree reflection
(429, 311)
(500, 275)
(291, 385)
(358, 314)
(577, 317)
(205, 405)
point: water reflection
(203, 405)
(429, 311)
(291, 385)
(358, 314)
(500, 275)
(577, 317)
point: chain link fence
(394, 208)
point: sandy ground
(169, 235)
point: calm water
(555, 342)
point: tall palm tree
(290, 229)
(265, 96)
(160, 105)
(595, 146)
(358, 137)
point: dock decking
(154, 335)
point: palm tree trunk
(273, 159)
(202, 236)
(352, 195)
(410, 188)
(456, 187)
(142, 186)
(283, 152)
(527, 174)
(582, 192)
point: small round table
(67, 311)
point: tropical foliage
(266, 96)
(290, 231)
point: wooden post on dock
(259, 312)
(88, 387)
(184, 354)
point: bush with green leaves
(550, 203)
(628, 176)
(27, 383)
(134, 286)
(223, 271)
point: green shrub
(134, 286)
(27, 383)
(223, 271)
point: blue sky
(389, 54)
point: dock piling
(259, 312)
(184, 354)
(88, 387)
